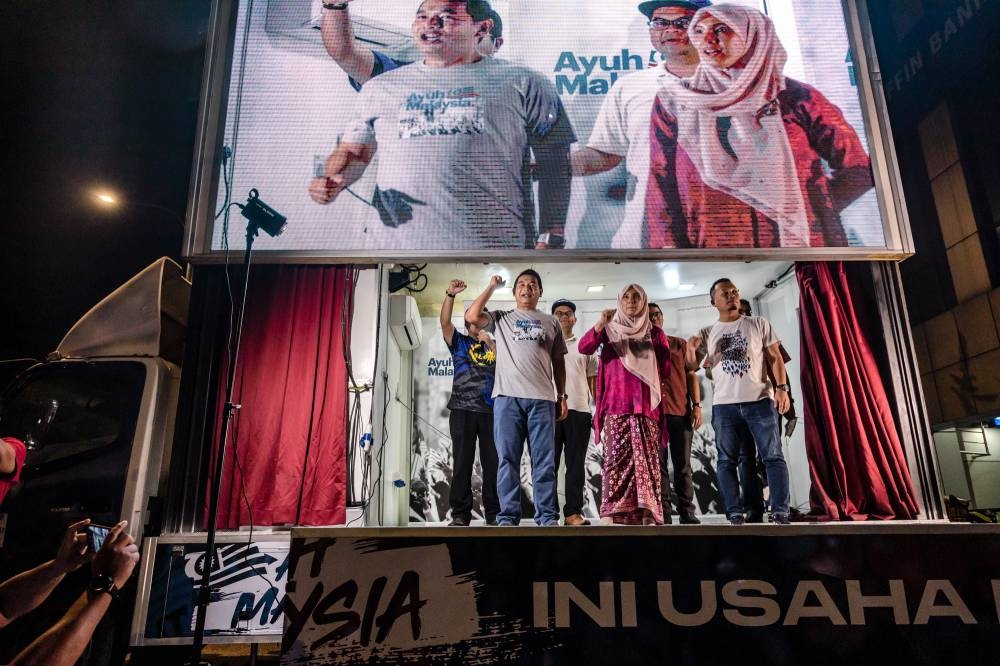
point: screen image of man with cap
(573, 434)
(621, 131)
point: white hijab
(631, 338)
(763, 175)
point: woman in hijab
(743, 156)
(635, 354)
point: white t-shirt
(622, 128)
(736, 351)
(578, 368)
(454, 165)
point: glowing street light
(108, 200)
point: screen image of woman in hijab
(743, 156)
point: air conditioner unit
(404, 321)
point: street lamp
(110, 201)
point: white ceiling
(570, 280)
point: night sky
(103, 94)
(99, 94)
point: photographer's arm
(63, 644)
(26, 591)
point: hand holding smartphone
(96, 534)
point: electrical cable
(409, 285)
(228, 166)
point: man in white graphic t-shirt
(741, 351)
(621, 131)
(455, 135)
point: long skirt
(630, 485)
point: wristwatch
(339, 6)
(104, 583)
(782, 387)
(553, 241)
(695, 404)
(449, 294)
(564, 396)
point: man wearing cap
(573, 434)
(454, 135)
(471, 413)
(361, 63)
(621, 131)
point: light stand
(259, 216)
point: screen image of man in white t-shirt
(455, 134)
(741, 350)
(621, 131)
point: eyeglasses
(445, 18)
(563, 315)
(663, 24)
(655, 314)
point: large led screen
(398, 129)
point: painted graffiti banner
(248, 589)
(777, 595)
(436, 128)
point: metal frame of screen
(205, 178)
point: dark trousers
(681, 434)
(467, 427)
(573, 436)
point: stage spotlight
(262, 216)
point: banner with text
(776, 595)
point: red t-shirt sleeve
(20, 451)
(9, 480)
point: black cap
(648, 8)
(564, 301)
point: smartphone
(96, 535)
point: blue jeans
(761, 419)
(515, 419)
(753, 494)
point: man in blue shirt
(471, 404)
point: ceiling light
(671, 278)
(595, 288)
(685, 287)
(106, 198)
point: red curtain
(290, 434)
(856, 462)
